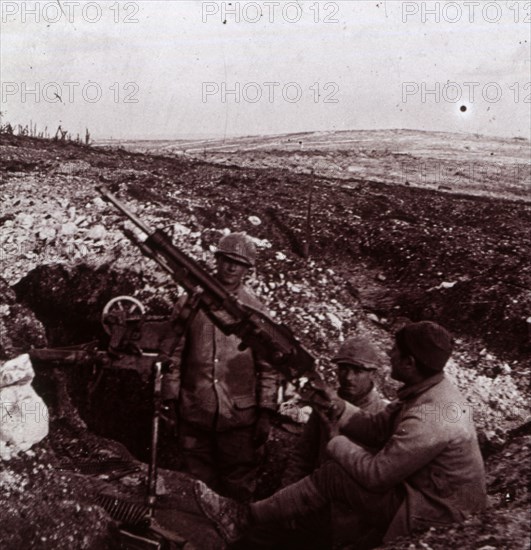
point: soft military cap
(429, 343)
(359, 351)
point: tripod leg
(157, 405)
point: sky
(180, 69)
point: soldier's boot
(230, 518)
(294, 501)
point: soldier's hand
(323, 399)
(170, 386)
(330, 421)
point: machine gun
(135, 341)
(273, 341)
(141, 344)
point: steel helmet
(238, 247)
(359, 351)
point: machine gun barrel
(113, 200)
(274, 342)
(184, 270)
(66, 356)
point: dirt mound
(19, 329)
(52, 496)
(44, 507)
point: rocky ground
(335, 257)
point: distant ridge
(469, 164)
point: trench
(115, 404)
(68, 302)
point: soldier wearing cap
(225, 395)
(357, 361)
(427, 468)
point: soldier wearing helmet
(238, 247)
(236, 253)
(225, 395)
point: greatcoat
(221, 386)
(428, 444)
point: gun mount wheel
(123, 305)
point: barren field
(362, 243)
(455, 163)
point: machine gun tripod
(140, 344)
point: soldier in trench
(225, 396)
(425, 468)
(357, 362)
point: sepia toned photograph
(265, 275)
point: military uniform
(425, 467)
(429, 458)
(222, 390)
(310, 450)
(338, 523)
